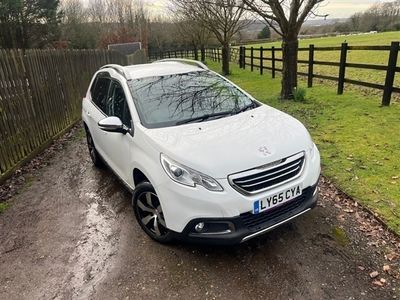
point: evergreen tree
(28, 23)
(265, 33)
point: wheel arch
(139, 177)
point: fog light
(199, 227)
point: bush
(265, 33)
(299, 94)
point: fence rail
(247, 57)
(212, 53)
(179, 53)
(40, 96)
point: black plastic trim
(241, 229)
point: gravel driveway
(70, 233)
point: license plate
(277, 199)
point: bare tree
(286, 17)
(195, 35)
(98, 11)
(73, 11)
(224, 18)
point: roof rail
(117, 68)
(183, 60)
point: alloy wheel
(151, 214)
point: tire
(94, 155)
(149, 214)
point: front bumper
(242, 228)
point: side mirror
(112, 124)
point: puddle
(91, 258)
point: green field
(360, 56)
(358, 140)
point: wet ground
(71, 233)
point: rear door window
(100, 92)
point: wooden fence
(177, 53)
(267, 60)
(212, 53)
(216, 54)
(40, 97)
(271, 59)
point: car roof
(161, 68)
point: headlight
(187, 176)
(311, 151)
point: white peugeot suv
(205, 161)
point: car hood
(232, 144)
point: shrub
(299, 94)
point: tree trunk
(203, 53)
(289, 70)
(225, 59)
(196, 52)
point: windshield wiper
(204, 117)
(238, 111)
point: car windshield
(176, 99)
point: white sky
(335, 8)
(345, 8)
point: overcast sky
(345, 8)
(335, 8)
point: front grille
(255, 181)
(262, 220)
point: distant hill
(322, 22)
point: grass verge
(358, 140)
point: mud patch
(340, 236)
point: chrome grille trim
(244, 181)
(296, 164)
(271, 179)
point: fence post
(240, 57)
(273, 61)
(218, 57)
(252, 59)
(342, 68)
(310, 66)
(261, 60)
(244, 57)
(390, 74)
(239, 62)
